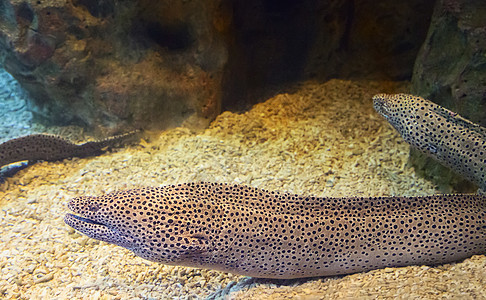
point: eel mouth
(87, 226)
(97, 230)
(69, 218)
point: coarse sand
(321, 139)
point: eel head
(413, 117)
(146, 222)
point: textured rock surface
(112, 64)
(451, 66)
(451, 71)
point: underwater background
(229, 92)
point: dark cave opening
(171, 36)
(279, 42)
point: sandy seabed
(321, 139)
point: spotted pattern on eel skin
(446, 136)
(36, 147)
(253, 232)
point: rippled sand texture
(322, 139)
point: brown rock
(451, 66)
(116, 64)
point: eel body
(446, 136)
(52, 147)
(253, 232)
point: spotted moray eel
(52, 147)
(253, 232)
(442, 134)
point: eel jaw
(97, 231)
(81, 224)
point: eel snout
(381, 104)
(90, 219)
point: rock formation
(115, 65)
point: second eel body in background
(451, 139)
(48, 147)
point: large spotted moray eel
(47, 147)
(446, 136)
(253, 232)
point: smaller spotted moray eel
(48, 147)
(254, 232)
(442, 134)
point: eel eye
(93, 207)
